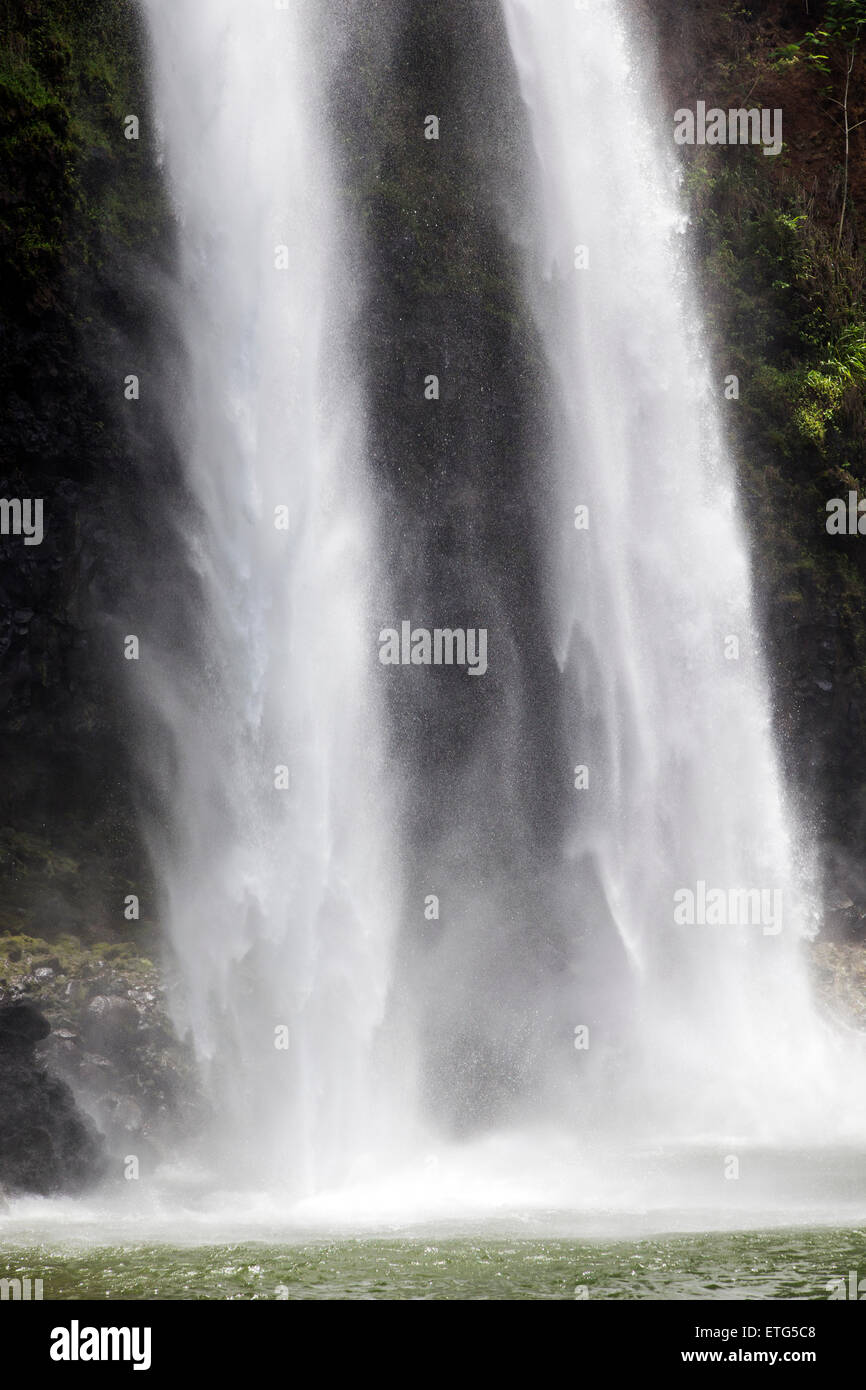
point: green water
(787, 1264)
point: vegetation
(779, 249)
(840, 34)
(79, 205)
(68, 72)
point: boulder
(46, 1143)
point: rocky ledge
(46, 1143)
(87, 1038)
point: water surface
(781, 1264)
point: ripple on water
(790, 1265)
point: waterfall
(274, 861)
(569, 992)
(694, 1029)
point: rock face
(797, 430)
(46, 1144)
(85, 242)
(81, 256)
(104, 1031)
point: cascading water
(275, 868)
(281, 901)
(712, 1024)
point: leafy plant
(832, 50)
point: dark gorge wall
(85, 239)
(84, 236)
(462, 484)
(462, 477)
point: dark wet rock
(111, 1038)
(123, 1113)
(111, 1024)
(844, 921)
(46, 1143)
(21, 1026)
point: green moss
(23, 851)
(21, 954)
(69, 75)
(785, 313)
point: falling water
(275, 867)
(697, 1029)
(281, 901)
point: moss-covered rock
(111, 1038)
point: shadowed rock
(46, 1144)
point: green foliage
(816, 408)
(846, 360)
(844, 20)
(68, 76)
(784, 294)
(784, 303)
(843, 25)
